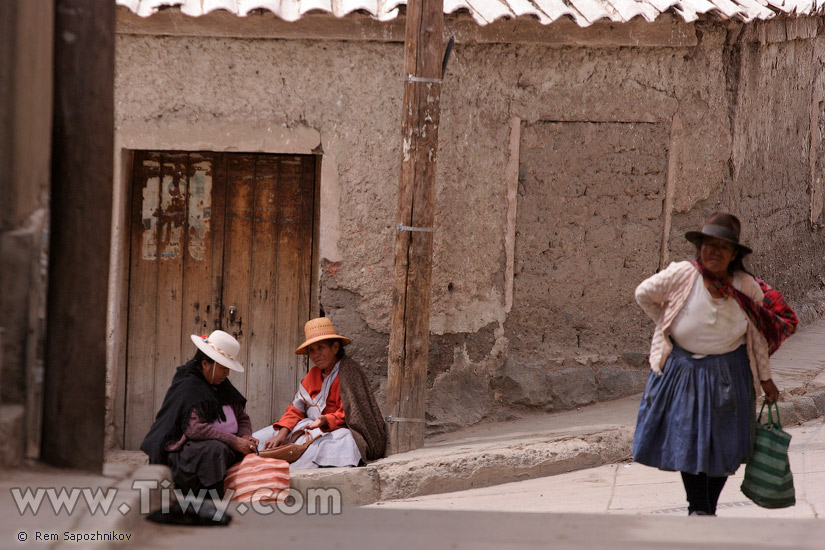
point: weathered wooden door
(218, 241)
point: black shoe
(204, 516)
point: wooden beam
(81, 210)
(8, 37)
(410, 323)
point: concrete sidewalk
(491, 454)
(630, 488)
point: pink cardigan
(663, 296)
(198, 429)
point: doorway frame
(217, 137)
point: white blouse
(708, 325)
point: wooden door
(218, 241)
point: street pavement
(364, 529)
(43, 507)
(634, 489)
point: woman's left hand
(770, 389)
(244, 446)
(320, 422)
(251, 439)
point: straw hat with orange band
(319, 329)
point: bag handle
(776, 407)
(293, 437)
(771, 406)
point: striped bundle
(768, 480)
(258, 479)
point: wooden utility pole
(81, 218)
(410, 323)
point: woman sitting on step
(334, 404)
(202, 427)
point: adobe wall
(566, 175)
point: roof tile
(584, 12)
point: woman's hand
(320, 422)
(244, 445)
(770, 389)
(252, 439)
(278, 440)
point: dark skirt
(201, 465)
(697, 416)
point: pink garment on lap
(230, 425)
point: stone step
(12, 435)
(120, 456)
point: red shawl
(774, 318)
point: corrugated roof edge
(488, 11)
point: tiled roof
(584, 12)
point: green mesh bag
(768, 480)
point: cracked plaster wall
(705, 117)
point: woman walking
(710, 358)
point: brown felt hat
(722, 226)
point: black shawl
(189, 390)
(363, 417)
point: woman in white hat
(202, 427)
(334, 403)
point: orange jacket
(333, 411)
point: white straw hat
(221, 347)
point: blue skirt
(697, 417)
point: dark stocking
(703, 492)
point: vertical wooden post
(8, 35)
(81, 212)
(410, 323)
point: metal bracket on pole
(411, 78)
(402, 227)
(398, 419)
(446, 57)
